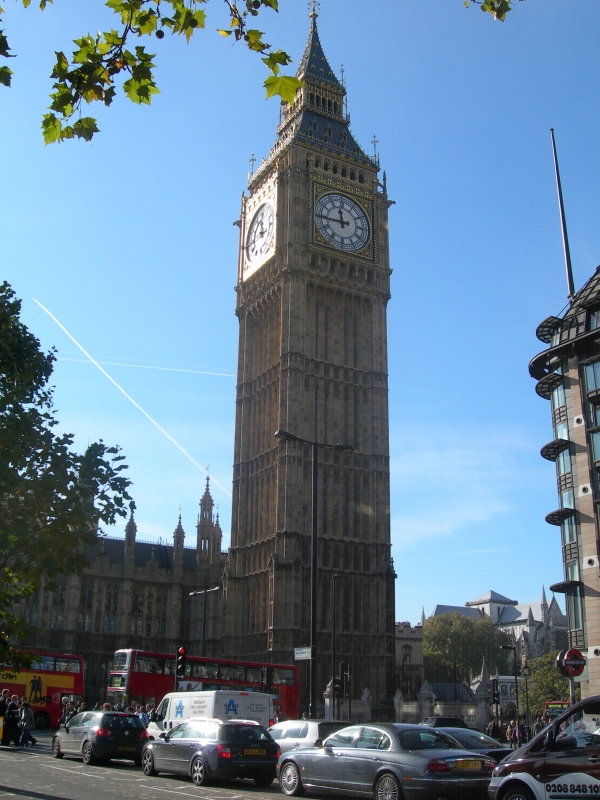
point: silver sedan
(387, 761)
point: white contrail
(131, 400)
(144, 366)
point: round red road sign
(571, 662)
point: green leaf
(51, 129)
(284, 85)
(4, 48)
(61, 67)
(5, 74)
(271, 4)
(85, 128)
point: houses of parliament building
(313, 283)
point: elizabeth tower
(312, 291)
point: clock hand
(343, 222)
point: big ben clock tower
(312, 291)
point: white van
(177, 707)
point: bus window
(120, 660)
(253, 675)
(67, 665)
(283, 676)
(204, 670)
(149, 664)
(229, 673)
(43, 664)
(169, 667)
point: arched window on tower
(329, 106)
(344, 173)
(407, 653)
(361, 177)
(335, 108)
(318, 163)
(352, 175)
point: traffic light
(495, 692)
(180, 662)
(337, 687)
(342, 672)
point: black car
(100, 736)
(478, 742)
(211, 749)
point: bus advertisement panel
(553, 709)
(140, 677)
(51, 677)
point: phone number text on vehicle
(572, 788)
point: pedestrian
(67, 714)
(98, 707)
(11, 722)
(106, 707)
(3, 706)
(27, 724)
(151, 711)
(143, 715)
(538, 725)
(510, 732)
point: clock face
(342, 222)
(261, 232)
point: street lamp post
(290, 437)
(526, 672)
(514, 651)
(338, 576)
(204, 592)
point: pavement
(32, 773)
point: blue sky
(129, 242)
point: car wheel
(388, 788)
(289, 779)
(266, 779)
(517, 793)
(87, 754)
(198, 772)
(56, 748)
(148, 763)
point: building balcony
(565, 587)
(552, 450)
(559, 516)
(545, 329)
(548, 384)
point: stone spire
(178, 540)
(544, 605)
(314, 64)
(206, 524)
(422, 616)
(130, 532)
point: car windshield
(423, 739)
(474, 740)
(244, 733)
(121, 722)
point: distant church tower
(313, 287)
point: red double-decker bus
(137, 676)
(51, 677)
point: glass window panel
(563, 462)
(558, 397)
(343, 738)
(43, 664)
(556, 336)
(230, 673)
(561, 431)
(596, 445)
(293, 732)
(120, 661)
(592, 376)
(372, 739)
(283, 676)
(569, 530)
(567, 500)
(594, 319)
(149, 664)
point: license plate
(128, 748)
(254, 751)
(468, 764)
